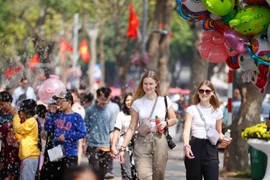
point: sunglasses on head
(206, 91)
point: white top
(30, 94)
(143, 107)
(197, 125)
(122, 123)
(114, 108)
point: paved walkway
(175, 167)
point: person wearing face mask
(122, 123)
(201, 156)
(151, 147)
(68, 128)
(99, 120)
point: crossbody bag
(146, 126)
(211, 132)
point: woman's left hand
(162, 125)
(227, 141)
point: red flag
(64, 46)
(84, 52)
(9, 73)
(133, 23)
(34, 61)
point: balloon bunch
(236, 32)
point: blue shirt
(71, 125)
(99, 123)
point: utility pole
(76, 28)
(76, 81)
(144, 28)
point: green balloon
(219, 7)
(251, 20)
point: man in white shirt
(24, 91)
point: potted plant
(258, 137)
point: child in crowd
(26, 127)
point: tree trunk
(159, 45)
(236, 154)
(199, 66)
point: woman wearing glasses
(201, 157)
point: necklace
(206, 106)
(151, 98)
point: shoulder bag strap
(201, 115)
(166, 114)
(153, 108)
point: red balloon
(232, 62)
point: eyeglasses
(206, 91)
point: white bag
(56, 153)
(211, 132)
(213, 135)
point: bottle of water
(227, 135)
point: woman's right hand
(188, 152)
(121, 157)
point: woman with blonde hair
(201, 155)
(151, 147)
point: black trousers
(98, 160)
(205, 162)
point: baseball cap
(64, 95)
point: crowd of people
(78, 124)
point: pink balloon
(218, 54)
(236, 40)
(207, 35)
(49, 88)
(205, 47)
(218, 38)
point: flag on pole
(63, 47)
(84, 52)
(34, 61)
(133, 23)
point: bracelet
(122, 149)
(186, 146)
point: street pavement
(175, 166)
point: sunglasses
(206, 91)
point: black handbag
(171, 144)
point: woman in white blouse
(201, 156)
(121, 125)
(151, 147)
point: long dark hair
(124, 106)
